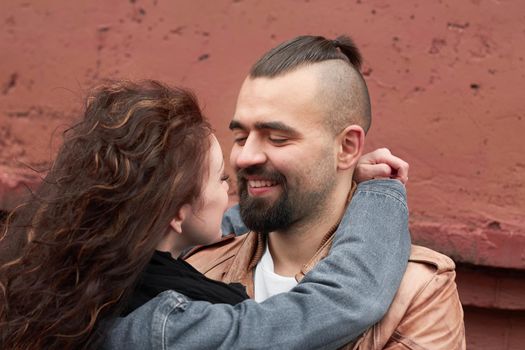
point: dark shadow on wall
(489, 329)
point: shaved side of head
(343, 92)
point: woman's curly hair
(120, 176)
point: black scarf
(165, 273)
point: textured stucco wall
(446, 80)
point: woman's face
(203, 223)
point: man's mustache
(261, 171)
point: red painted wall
(446, 80)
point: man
(299, 129)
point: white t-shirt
(267, 282)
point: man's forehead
(289, 99)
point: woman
(134, 184)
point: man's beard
(261, 215)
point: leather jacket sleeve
(426, 313)
(346, 293)
(434, 319)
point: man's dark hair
(305, 49)
(349, 102)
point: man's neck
(292, 248)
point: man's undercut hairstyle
(343, 86)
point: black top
(165, 273)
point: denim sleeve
(347, 292)
(232, 222)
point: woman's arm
(347, 292)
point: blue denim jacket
(347, 292)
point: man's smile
(261, 183)
(258, 185)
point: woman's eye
(225, 177)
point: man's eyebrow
(279, 126)
(234, 124)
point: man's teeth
(261, 183)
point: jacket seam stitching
(165, 321)
(409, 343)
(217, 263)
(434, 275)
(400, 200)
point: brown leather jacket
(426, 313)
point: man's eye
(240, 140)
(278, 140)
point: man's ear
(351, 142)
(176, 222)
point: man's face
(283, 155)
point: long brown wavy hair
(120, 176)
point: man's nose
(251, 153)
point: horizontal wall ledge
(500, 246)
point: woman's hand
(381, 163)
